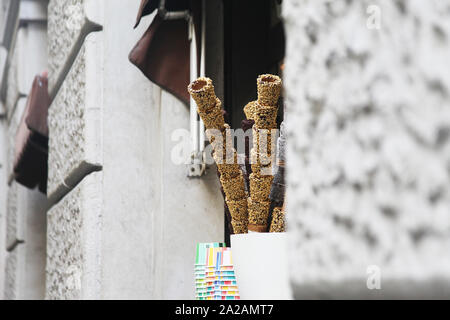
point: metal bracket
(171, 15)
(197, 167)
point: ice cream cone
(265, 117)
(202, 91)
(262, 141)
(278, 222)
(260, 187)
(269, 89)
(258, 212)
(221, 139)
(238, 209)
(234, 187)
(249, 110)
(239, 227)
(213, 117)
(263, 160)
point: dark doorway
(244, 38)
(254, 44)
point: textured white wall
(3, 157)
(150, 215)
(26, 239)
(3, 182)
(368, 116)
(22, 211)
(73, 247)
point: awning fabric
(163, 54)
(31, 144)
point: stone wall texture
(73, 231)
(12, 223)
(75, 121)
(69, 21)
(11, 276)
(368, 118)
(23, 54)
(12, 89)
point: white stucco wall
(3, 181)
(368, 122)
(3, 151)
(158, 214)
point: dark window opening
(254, 44)
(244, 41)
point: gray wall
(22, 212)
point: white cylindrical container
(260, 263)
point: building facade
(368, 170)
(109, 166)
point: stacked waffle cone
(249, 110)
(264, 112)
(248, 213)
(277, 224)
(209, 108)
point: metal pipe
(197, 128)
(174, 15)
(202, 71)
(193, 76)
(171, 15)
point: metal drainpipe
(197, 164)
(202, 74)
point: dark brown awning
(163, 53)
(31, 146)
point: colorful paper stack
(214, 273)
(200, 266)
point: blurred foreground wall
(368, 86)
